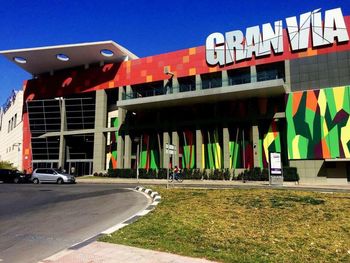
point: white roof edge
(130, 54)
(337, 160)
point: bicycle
(178, 177)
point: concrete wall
(322, 71)
(99, 136)
(11, 142)
(321, 172)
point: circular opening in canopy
(20, 60)
(62, 57)
(106, 52)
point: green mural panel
(188, 160)
(143, 159)
(333, 141)
(213, 154)
(332, 111)
(209, 157)
(235, 155)
(303, 146)
(309, 119)
(149, 154)
(319, 128)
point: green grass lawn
(245, 226)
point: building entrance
(44, 164)
(81, 167)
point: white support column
(198, 82)
(166, 159)
(253, 76)
(226, 147)
(287, 75)
(225, 82)
(175, 141)
(120, 139)
(99, 137)
(62, 146)
(255, 137)
(127, 151)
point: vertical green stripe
(290, 125)
(333, 142)
(331, 102)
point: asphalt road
(36, 221)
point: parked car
(51, 175)
(13, 176)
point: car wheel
(16, 180)
(36, 181)
(60, 181)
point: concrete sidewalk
(108, 253)
(212, 183)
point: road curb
(155, 196)
(155, 201)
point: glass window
(50, 171)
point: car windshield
(59, 171)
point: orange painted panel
(296, 101)
(311, 101)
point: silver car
(50, 175)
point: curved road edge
(154, 196)
(155, 201)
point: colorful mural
(149, 153)
(318, 124)
(188, 150)
(235, 155)
(241, 158)
(112, 154)
(213, 151)
(270, 141)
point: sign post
(170, 149)
(275, 169)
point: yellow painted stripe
(322, 102)
(203, 156)
(339, 97)
(295, 145)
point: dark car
(13, 176)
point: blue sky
(144, 27)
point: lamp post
(137, 140)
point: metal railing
(268, 75)
(238, 80)
(158, 91)
(204, 84)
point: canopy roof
(51, 58)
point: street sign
(170, 148)
(275, 169)
(276, 164)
